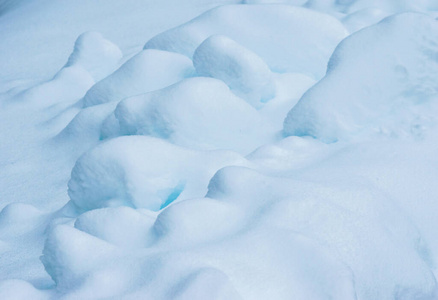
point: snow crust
(265, 149)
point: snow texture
(398, 63)
(228, 150)
(243, 71)
(276, 33)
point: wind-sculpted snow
(197, 112)
(363, 18)
(142, 172)
(384, 70)
(243, 71)
(147, 71)
(93, 58)
(98, 56)
(222, 161)
(276, 33)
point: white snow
(265, 149)
(98, 56)
(242, 70)
(198, 112)
(142, 172)
(147, 71)
(276, 33)
(390, 70)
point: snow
(242, 70)
(147, 71)
(398, 66)
(197, 112)
(132, 171)
(120, 226)
(257, 149)
(273, 32)
(363, 18)
(20, 290)
(97, 55)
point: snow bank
(197, 112)
(92, 59)
(69, 255)
(398, 67)
(142, 172)
(68, 85)
(204, 219)
(353, 222)
(276, 33)
(289, 87)
(84, 130)
(147, 71)
(167, 213)
(95, 54)
(244, 72)
(121, 226)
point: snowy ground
(200, 149)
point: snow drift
(376, 73)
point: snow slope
(262, 150)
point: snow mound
(70, 255)
(92, 59)
(121, 226)
(205, 219)
(363, 18)
(68, 85)
(276, 33)
(147, 71)
(142, 172)
(243, 71)
(197, 112)
(95, 54)
(84, 130)
(347, 220)
(391, 82)
(17, 219)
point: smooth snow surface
(389, 68)
(243, 71)
(276, 33)
(264, 149)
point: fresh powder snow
(228, 150)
